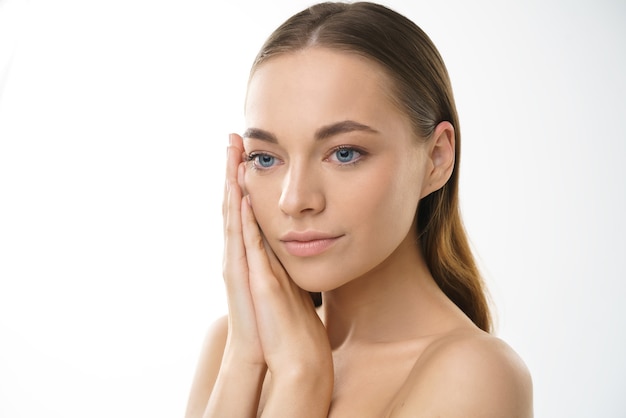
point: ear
(440, 158)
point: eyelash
(253, 156)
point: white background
(113, 126)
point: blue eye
(265, 160)
(262, 160)
(345, 155)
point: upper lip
(306, 236)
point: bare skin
(386, 342)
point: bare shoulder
(209, 361)
(469, 373)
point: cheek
(381, 196)
(385, 215)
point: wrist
(300, 391)
(237, 388)
(243, 360)
(242, 351)
(305, 370)
(310, 379)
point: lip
(309, 243)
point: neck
(398, 300)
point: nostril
(297, 202)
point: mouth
(308, 244)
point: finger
(241, 178)
(234, 154)
(235, 265)
(258, 261)
(267, 275)
(276, 266)
(284, 313)
(282, 276)
(234, 248)
(264, 266)
(271, 304)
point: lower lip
(309, 248)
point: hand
(293, 338)
(243, 339)
(272, 322)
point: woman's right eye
(261, 161)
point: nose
(302, 192)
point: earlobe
(441, 157)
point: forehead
(318, 83)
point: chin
(316, 278)
(312, 283)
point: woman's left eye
(345, 155)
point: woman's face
(335, 171)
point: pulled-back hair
(422, 89)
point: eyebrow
(324, 132)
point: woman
(345, 185)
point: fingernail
(230, 139)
